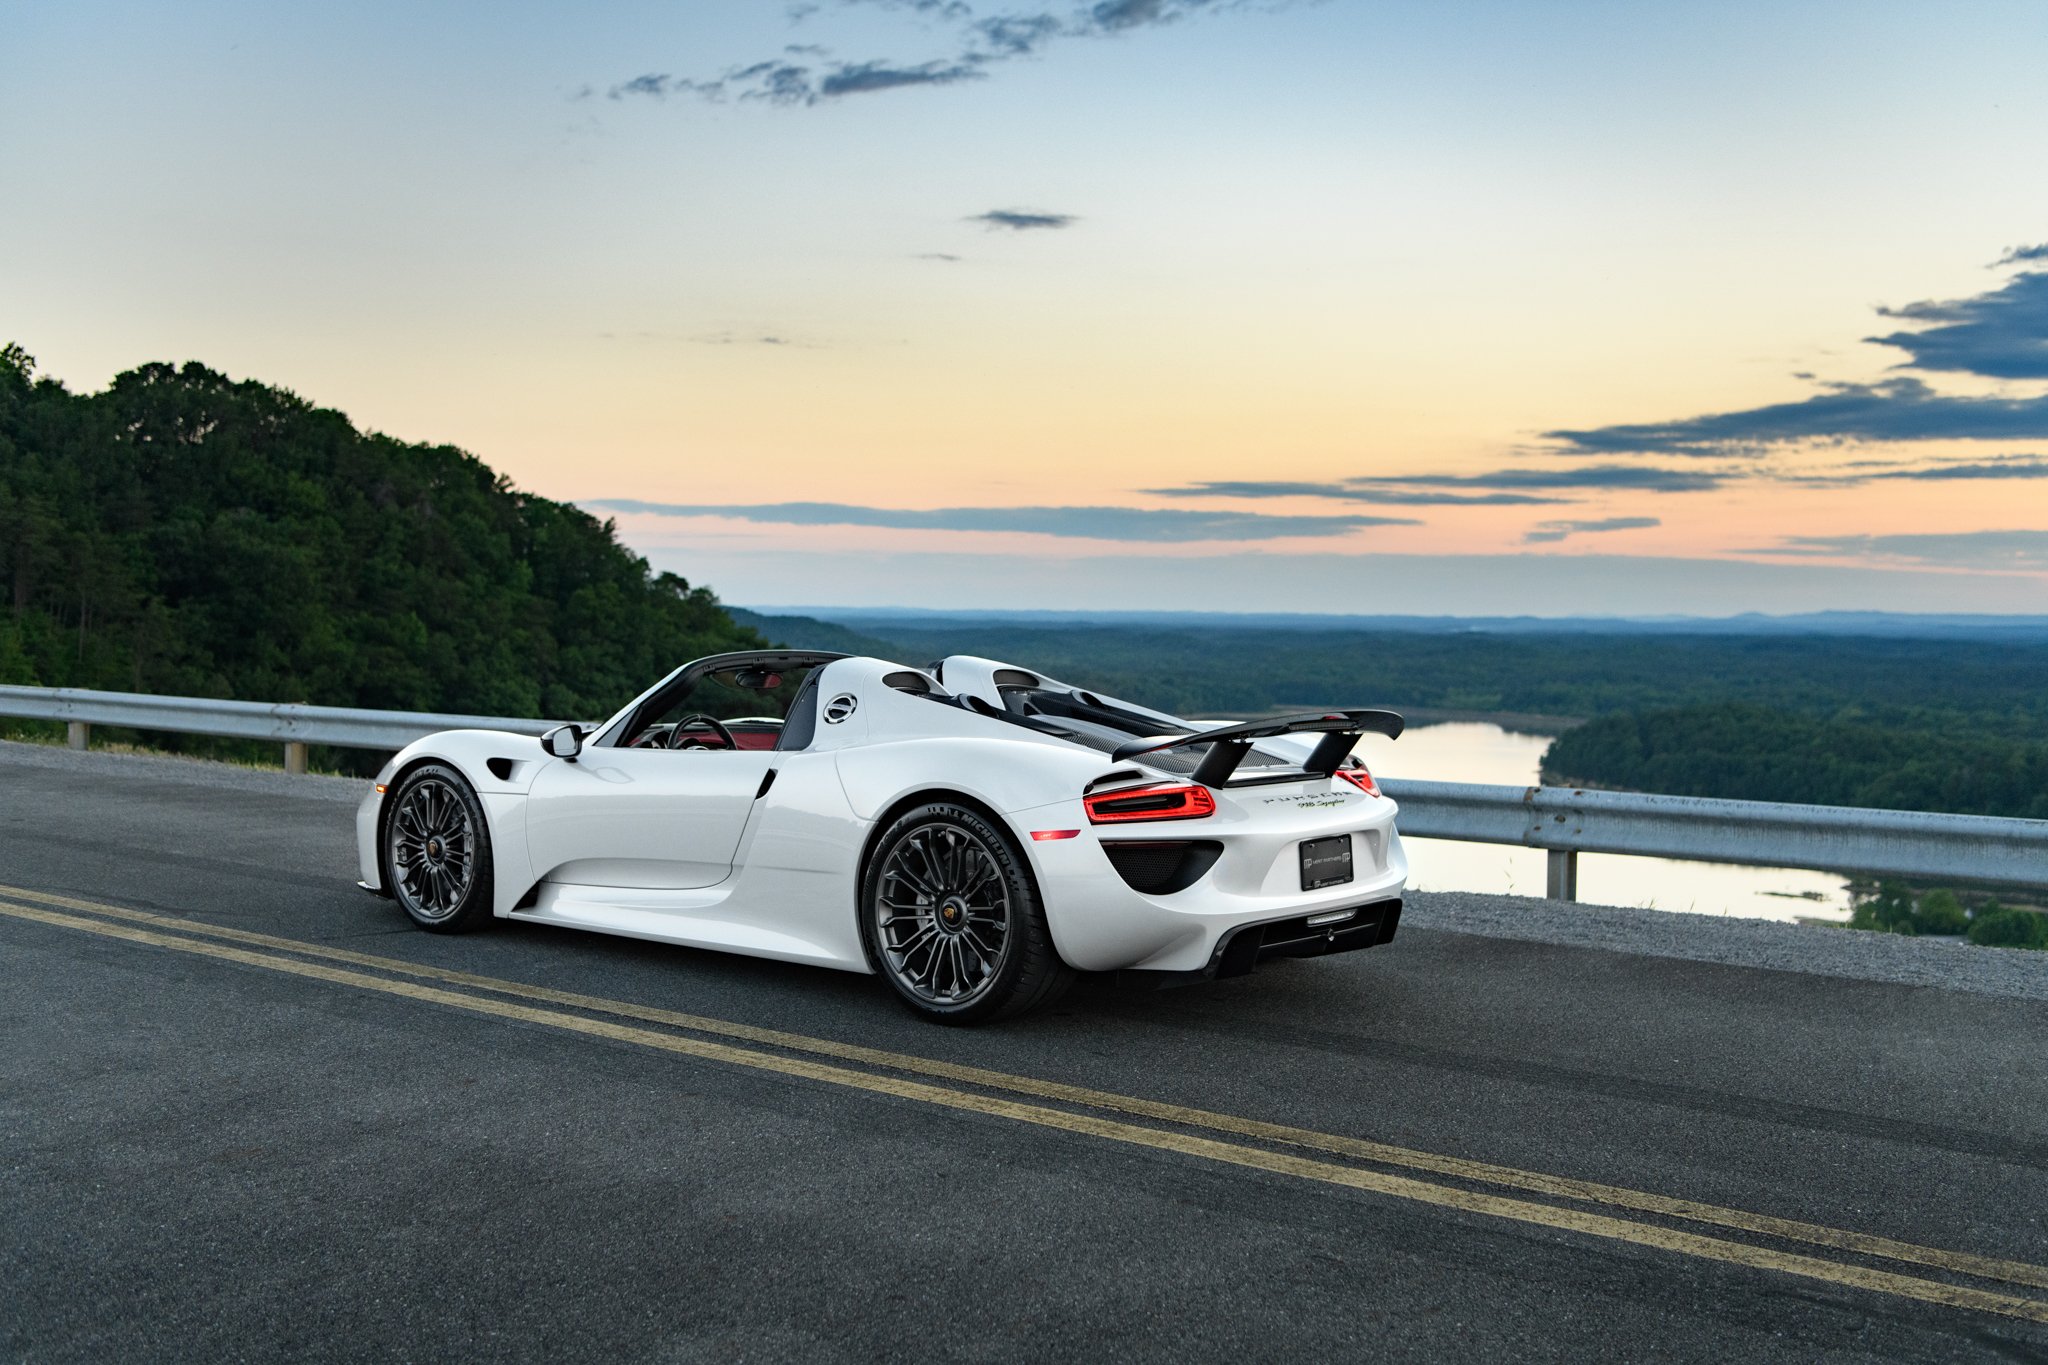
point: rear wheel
(952, 922)
(437, 851)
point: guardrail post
(1561, 882)
(78, 734)
(295, 757)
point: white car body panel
(677, 846)
(643, 818)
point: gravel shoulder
(1766, 944)
(1772, 945)
(20, 759)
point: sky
(1250, 305)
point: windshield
(749, 705)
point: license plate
(1325, 862)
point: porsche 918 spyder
(973, 832)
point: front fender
(500, 767)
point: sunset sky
(1344, 306)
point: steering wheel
(677, 740)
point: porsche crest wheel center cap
(952, 912)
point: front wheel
(437, 851)
(952, 921)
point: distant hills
(1874, 624)
(805, 632)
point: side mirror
(564, 741)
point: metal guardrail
(1563, 821)
(1568, 821)
(295, 727)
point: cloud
(2010, 551)
(1501, 487)
(809, 74)
(2001, 334)
(1278, 488)
(1603, 478)
(1017, 35)
(1551, 531)
(1894, 410)
(654, 85)
(936, 256)
(755, 339)
(1136, 524)
(1023, 220)
(860, 78)
(1868, 471)
(2005, 467)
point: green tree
(1889, 911)
(1999, 926)
(1939, 912)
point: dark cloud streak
(2011, 551)
(980, 41)
(2000, 335)
(1277, 488)
(1023, 220)
(1131, 524)
(1550, 532)
(1896, 410)
(1501, 487)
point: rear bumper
(1100, 922)
(1245, 947)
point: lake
(1465, 751)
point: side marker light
(1043, 834)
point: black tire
(952, 921)
(436, 851)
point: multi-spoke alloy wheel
(942, 917)
(437, 852)
(952, 920)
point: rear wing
(1340, 731)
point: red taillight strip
(1360, 778)
(1150, 803)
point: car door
(654, 819)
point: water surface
(1469, 751)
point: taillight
(1150, 803)
(1360, 778)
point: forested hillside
(1993, 686)
(1739, 749)
(186, 533)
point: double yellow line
(993, 1094)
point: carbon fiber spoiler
(1230, 743)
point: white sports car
(973, 832)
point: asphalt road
(220, 1146)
